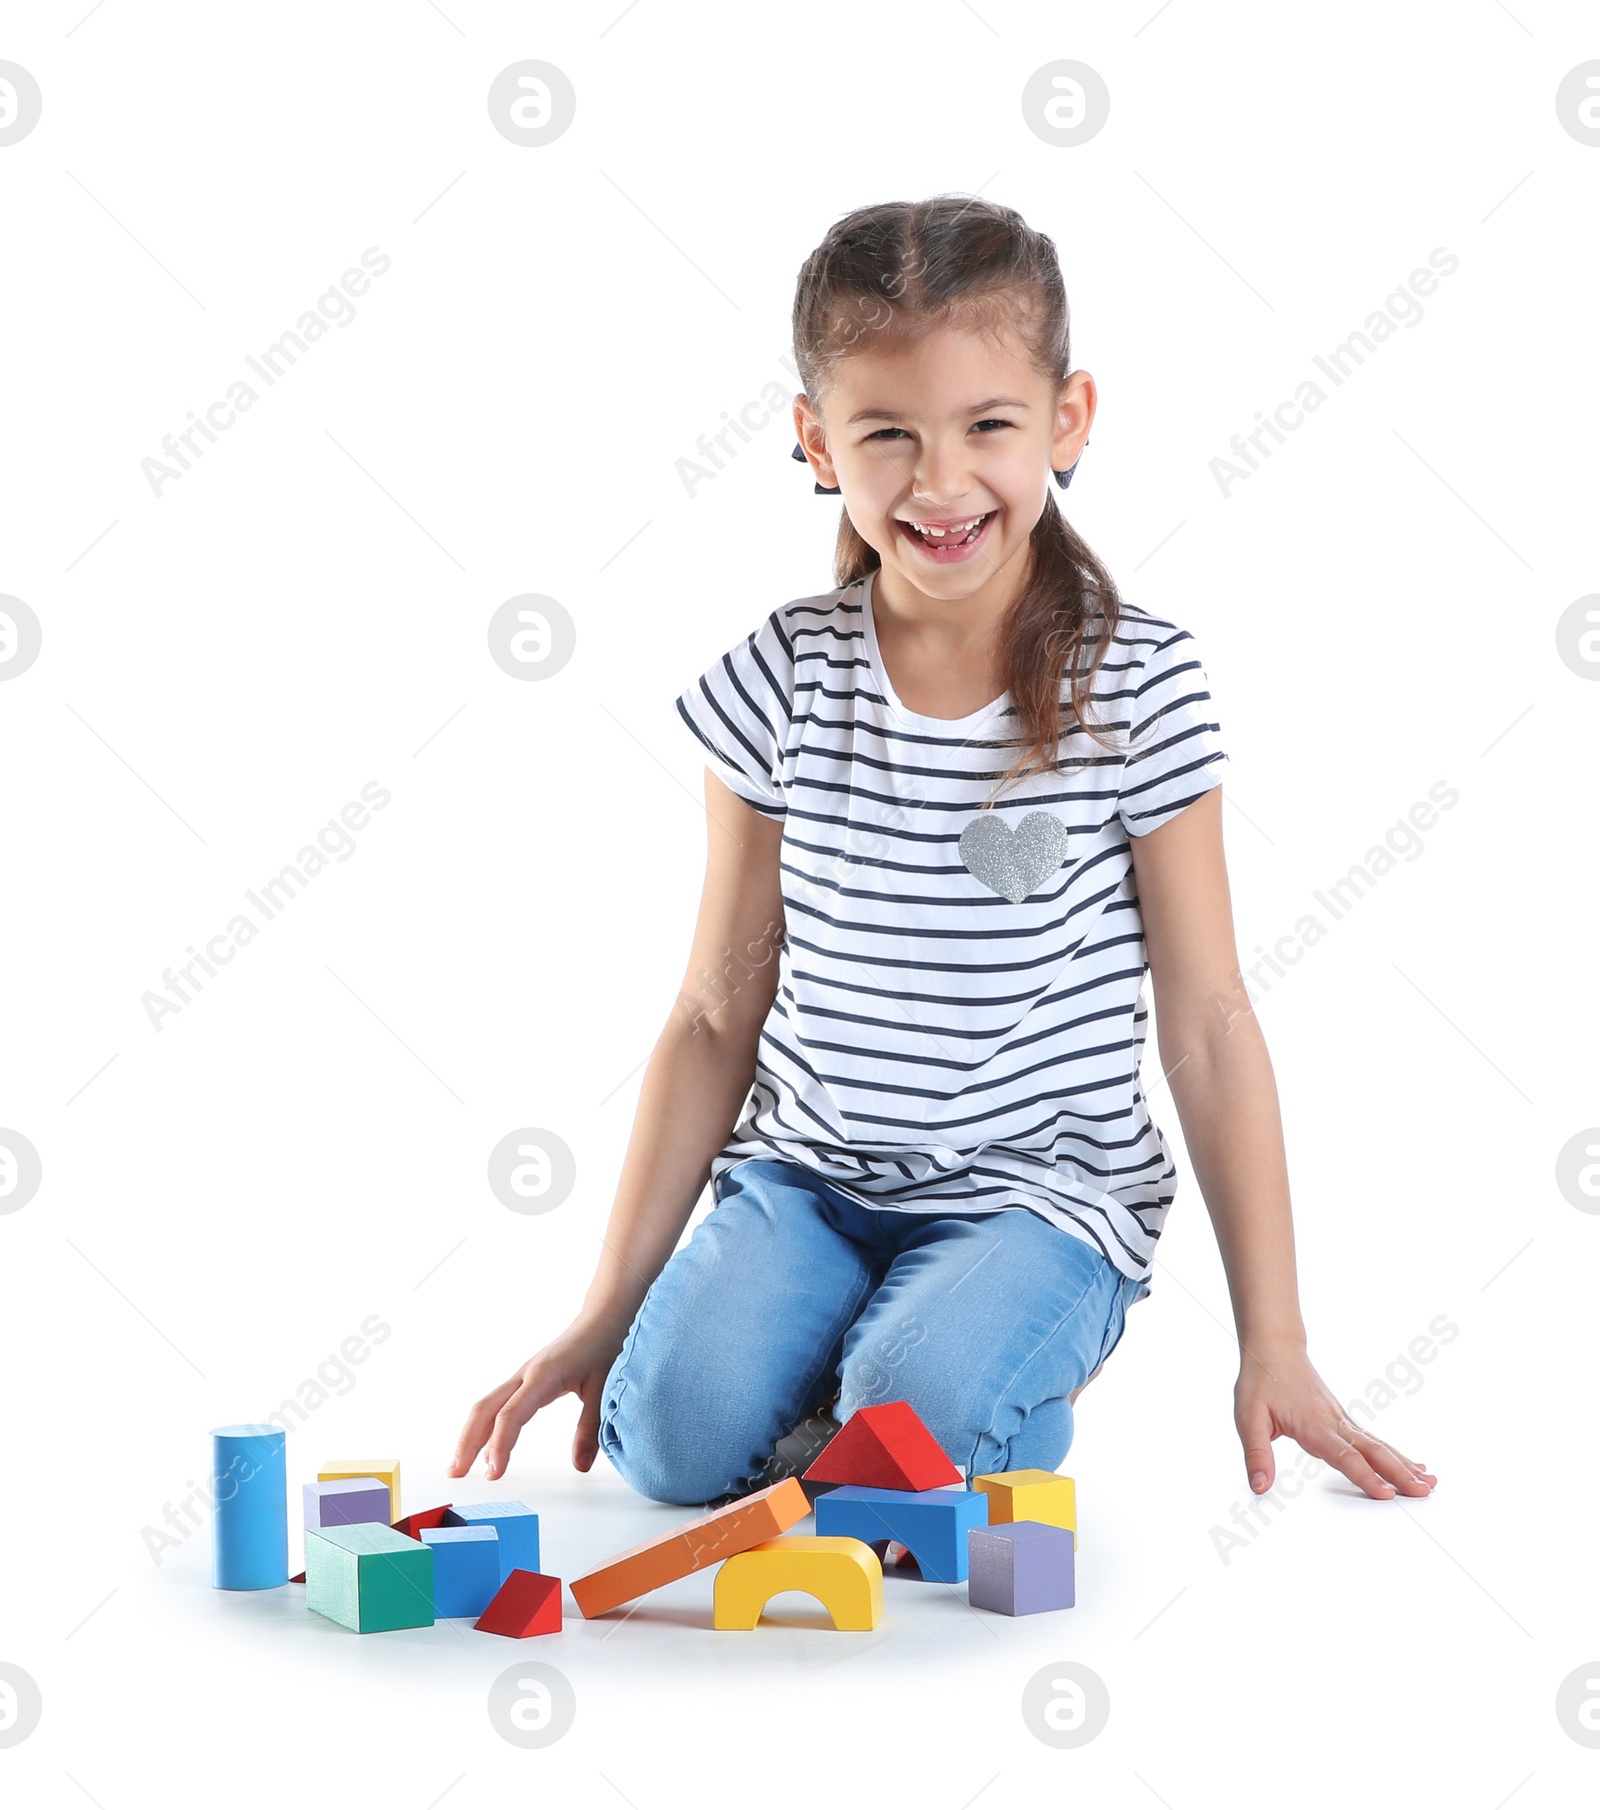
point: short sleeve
(1175, 751)
(741, 709)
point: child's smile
(945, 541)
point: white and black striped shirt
(934, 1046)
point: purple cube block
(347, 1501)
(1020, 1567)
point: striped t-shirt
(959, 1020)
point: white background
(226, 1200)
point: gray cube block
(1020, 1568)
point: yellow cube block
(1031, 1496)
(386, 1470)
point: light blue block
(933, 1523)
(517, 1526)
(466, 1569)
(250, 1528)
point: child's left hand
(1278, 1393)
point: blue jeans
(788, 1290)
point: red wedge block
(412, 1525)
(528, 1602)
(884, 1447)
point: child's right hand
(576, 1362)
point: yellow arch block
(844, 1575)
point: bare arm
(704, 1060)
(698, 1077)
(1216, 1063)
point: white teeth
(940, 533)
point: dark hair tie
(1063, 478)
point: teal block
(369, 1578)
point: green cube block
(369, 1578)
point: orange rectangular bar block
(691, 1547)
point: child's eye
(993, 421)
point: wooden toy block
(250, 1528)
(692, 1546)
(346, 1501)
(933, 1523)
(842, 1574)
(466, 1569)
(386, 1470)
(1031, 1496)
(412, 1525)
(884, 1447)
(527, 1603)
(1021, 1567)
(369, 1578)
(298, 1578)
(517, 1526)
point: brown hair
(903, 268)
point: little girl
(907, 1047)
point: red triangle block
(528, 1602)
(412, 1525)
(884, 1447)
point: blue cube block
(466, 1568)
(517, 1526)
(932, 1523)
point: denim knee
(979, 1431)
(672, 1443)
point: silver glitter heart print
(1013, 862)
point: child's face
(976, 433)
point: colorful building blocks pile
(367, 1567)
(882, 1479)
